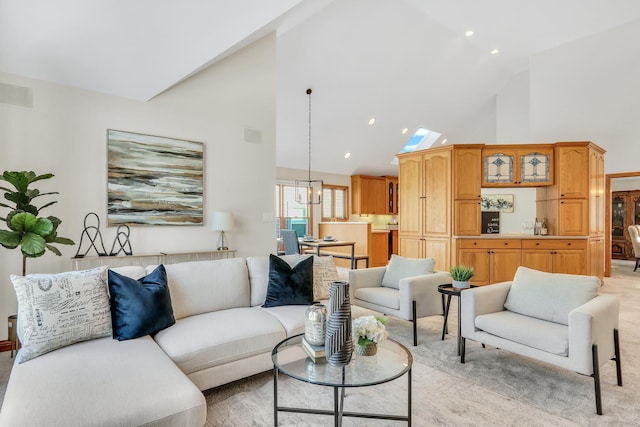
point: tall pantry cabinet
(439, 197)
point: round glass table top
(391, 361)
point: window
(290, 214)
(335, 206)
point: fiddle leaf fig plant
(26, 229)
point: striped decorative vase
(338, 344)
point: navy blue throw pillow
(289, 285)
(140, 307)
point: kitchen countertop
(518, 236)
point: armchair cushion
(387, 297)
(549, 296)
(401, 267)
(546, 336)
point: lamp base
(222, 242)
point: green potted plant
(27, 230)
(461, 275)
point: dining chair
(290, 241)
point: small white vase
(461, 284)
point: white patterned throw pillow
(324, 272)
(57, 310)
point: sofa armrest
(481, 300)
(365, 278)
(593, 323)
(424, 290)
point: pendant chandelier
(309, 192)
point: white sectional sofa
(221, 334)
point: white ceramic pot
(461, 285)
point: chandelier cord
(309, 172)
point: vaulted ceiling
(406, 63)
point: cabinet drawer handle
(475, 243)
(568, 244)
(537, 243)
(506, 243)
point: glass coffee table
(392, 361)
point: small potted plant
(461, 274)
(368, 332)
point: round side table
(450, 291)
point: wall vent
(251, 135)
(16, 95)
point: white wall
(65, 134)
(589, 90)
(513, 111)
(625, 184)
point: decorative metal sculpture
(93, 233)
(338, 345)
(122, 243)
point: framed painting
(497, 202)
(153, 180)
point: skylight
(421, 139)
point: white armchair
(408, 298)
(634, 234)
(555, 318)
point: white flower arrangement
(369, 329)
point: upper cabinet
(391, 183)
(517, 165)
(368, 195)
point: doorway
(608, 220)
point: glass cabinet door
(636, 211)
(617, 216)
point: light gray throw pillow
(549, 296)
(400, 268)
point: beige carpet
(494, 387)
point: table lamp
(222, 221)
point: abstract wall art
(153, 180)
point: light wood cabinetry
(378, 248)
(493, 260)
(517, 165)
(556, 256)
(391, 195)
(467, 191)
(368, 195)
(439, 204)
(575, 203)
(439, 196)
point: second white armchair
(407, 288)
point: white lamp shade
(221, 221)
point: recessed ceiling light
(468, 33)
(372, 120)
(495, 52)
(347, 155)
(405, 130)
(444, 141)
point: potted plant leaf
(32, 233)
(461, 275)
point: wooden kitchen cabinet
(517, 165)
(391, 195)
(378, 249)
(368, 195)
(567, 256)
(574, 205)
(493, 260)
(437, 193)
(467, 181)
